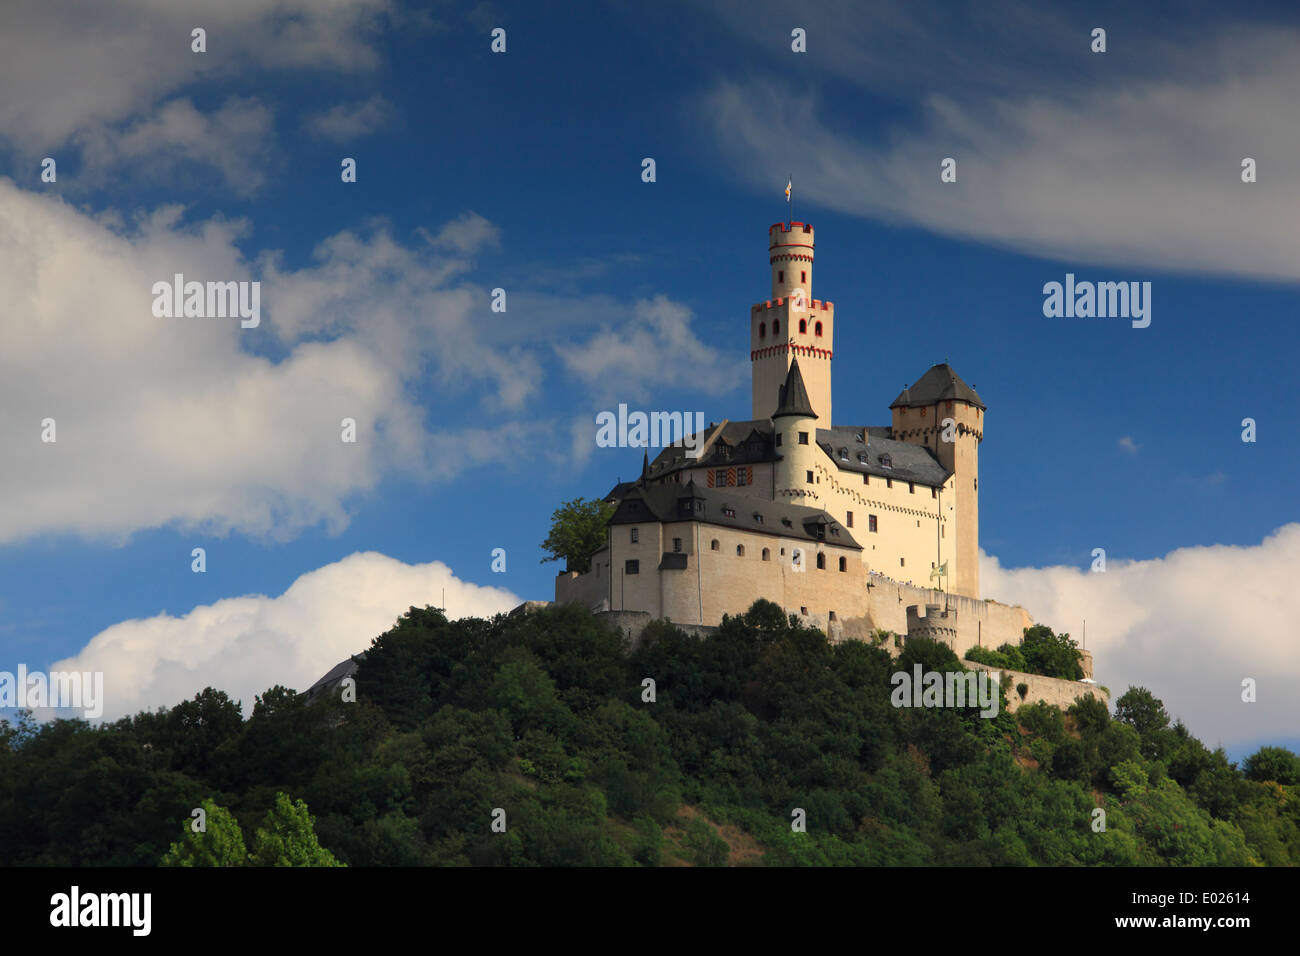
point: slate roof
(334, 676)
(734, 443)
(760, 516)
(906, 462)
(738, 443)
(793, 398)
(939, 384)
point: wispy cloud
(1129, 445)
(1061, 153)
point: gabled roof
(939, 384)
(727, 509)
(794, 396)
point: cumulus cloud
(1190, 626)
(467, 234)
(1129, 445)
(349, 121)
(245, 645)
(197, 423)
(233, 140)
(1114, 160)
(188, 421)
(658, 349)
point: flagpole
(789, 204)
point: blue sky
(522, 171)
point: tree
(1053, 655)
(220, 844)
(577, 532)
(1142, 711)
(288, 838)
(1273, 763)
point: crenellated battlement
(820, 305)
(801, 227)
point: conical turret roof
(794, 396)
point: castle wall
(908, 532)
(1048, 690)
(985, 623)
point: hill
(684, 751)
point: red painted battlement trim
(807, 227)
(821, 305)
(806, 350)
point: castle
(846, 526)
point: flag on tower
(788, 186)
(940, 571)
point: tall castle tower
(946, 415)
(791, 324)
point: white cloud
(657, 349)
(233, 139)
(197, 423)
(245, 645)
(1189, 626)
(187, 421)
(467, 234)
(68, 66)
(349, 121)
(1129, 445)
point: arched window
(713, 546)
(821, 561)
(776, 326)
(844, 564)
(817, 329)
(740, 550)
(762, 330)
(803, 326)
(766, 554)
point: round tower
(795, 425)
(791, 324)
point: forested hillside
(544, 717)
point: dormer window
(862, 457)
(729, 512)
(787, 523)
(886, 461)
(758, 518)
(844, 454)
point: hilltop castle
(846, 526)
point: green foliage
(220, 843)
(288, 837)
(1273, 763)
(707, 848)
(1049, 654)
(577, 532)
(541, 714)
